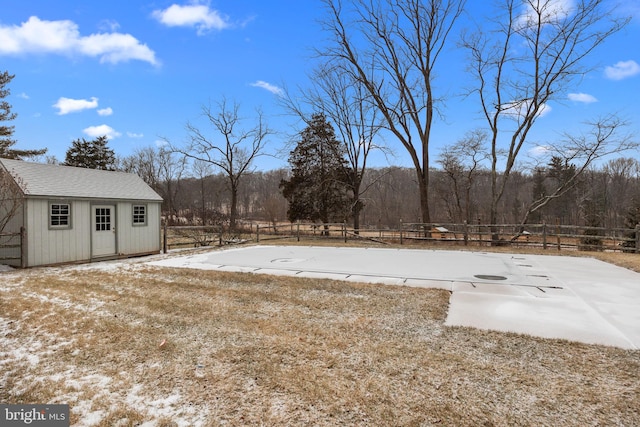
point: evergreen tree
(93, 154)
(561, 172)
(593, 210)
(6, 132)
(316, 190)
(631, 220)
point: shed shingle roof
(39, 179)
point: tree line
(376, 76)
(607, 195)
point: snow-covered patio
(573, 298)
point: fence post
(344, 230)
(558, 233)
(258, 233)
(544, 235)
(466, 233)
(23, 247)
(298, 230)
(401, 227)
(164, 239)
(638, 238)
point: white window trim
(133, 215)
(50, 215)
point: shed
(72, 214)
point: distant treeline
(607, 196)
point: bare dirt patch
(175, 347)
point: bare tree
(579, 153)
(162, 170)
(11, 198)
(461, 163)
(347, 105)
(527, 59)
(391, 197)
(270, 204)
(143, 162)
(620, 172)
(234, 152)
(392, 47)
(201, 170)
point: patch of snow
(171, 406)
(17, 350)
(88, 417)
(95, 380)
(93, 307)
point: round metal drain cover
(489, 277)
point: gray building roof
(44, 180)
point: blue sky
(139, 70)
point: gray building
(74, 214)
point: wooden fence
(204, 235)
(544, 236)
(541, 236)
(13, 249)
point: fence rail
(542, 236)
(545, 236)
(12, 248)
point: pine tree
(631, 220)
(6, 132)
(94, 154)
(560, 172)
(316, 190)
(592, 212)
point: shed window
(60, 215)
(139, 215)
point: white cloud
(105, 111)
(197, 15)
(23, 95)
(546, 11)
(102, 130)
(109, 25)
(517, 110)
(622, 70)
(68, 105)
(63, 38)
(539, 151)
(582, 97)
(135, 135)
(268, 86)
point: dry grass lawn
(134, 345)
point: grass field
(127, 344)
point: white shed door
(103, 239)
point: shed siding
(140, 238)
(46, 246)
